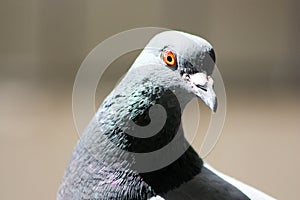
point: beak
(202, 86)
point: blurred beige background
(43, 42)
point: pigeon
(171, 70)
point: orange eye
(170, 58)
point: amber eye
(170, 58)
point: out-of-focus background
(43, 42)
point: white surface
(156, 198)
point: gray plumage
(101, 166)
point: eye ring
(170, 58)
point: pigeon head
(180, 60)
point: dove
(172, 69)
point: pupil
(169, 58)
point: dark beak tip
(215, 106)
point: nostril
(186, 77)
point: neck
(134, 106)
(175, 174)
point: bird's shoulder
(211, 184)
(248, 190)
(207, 185)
